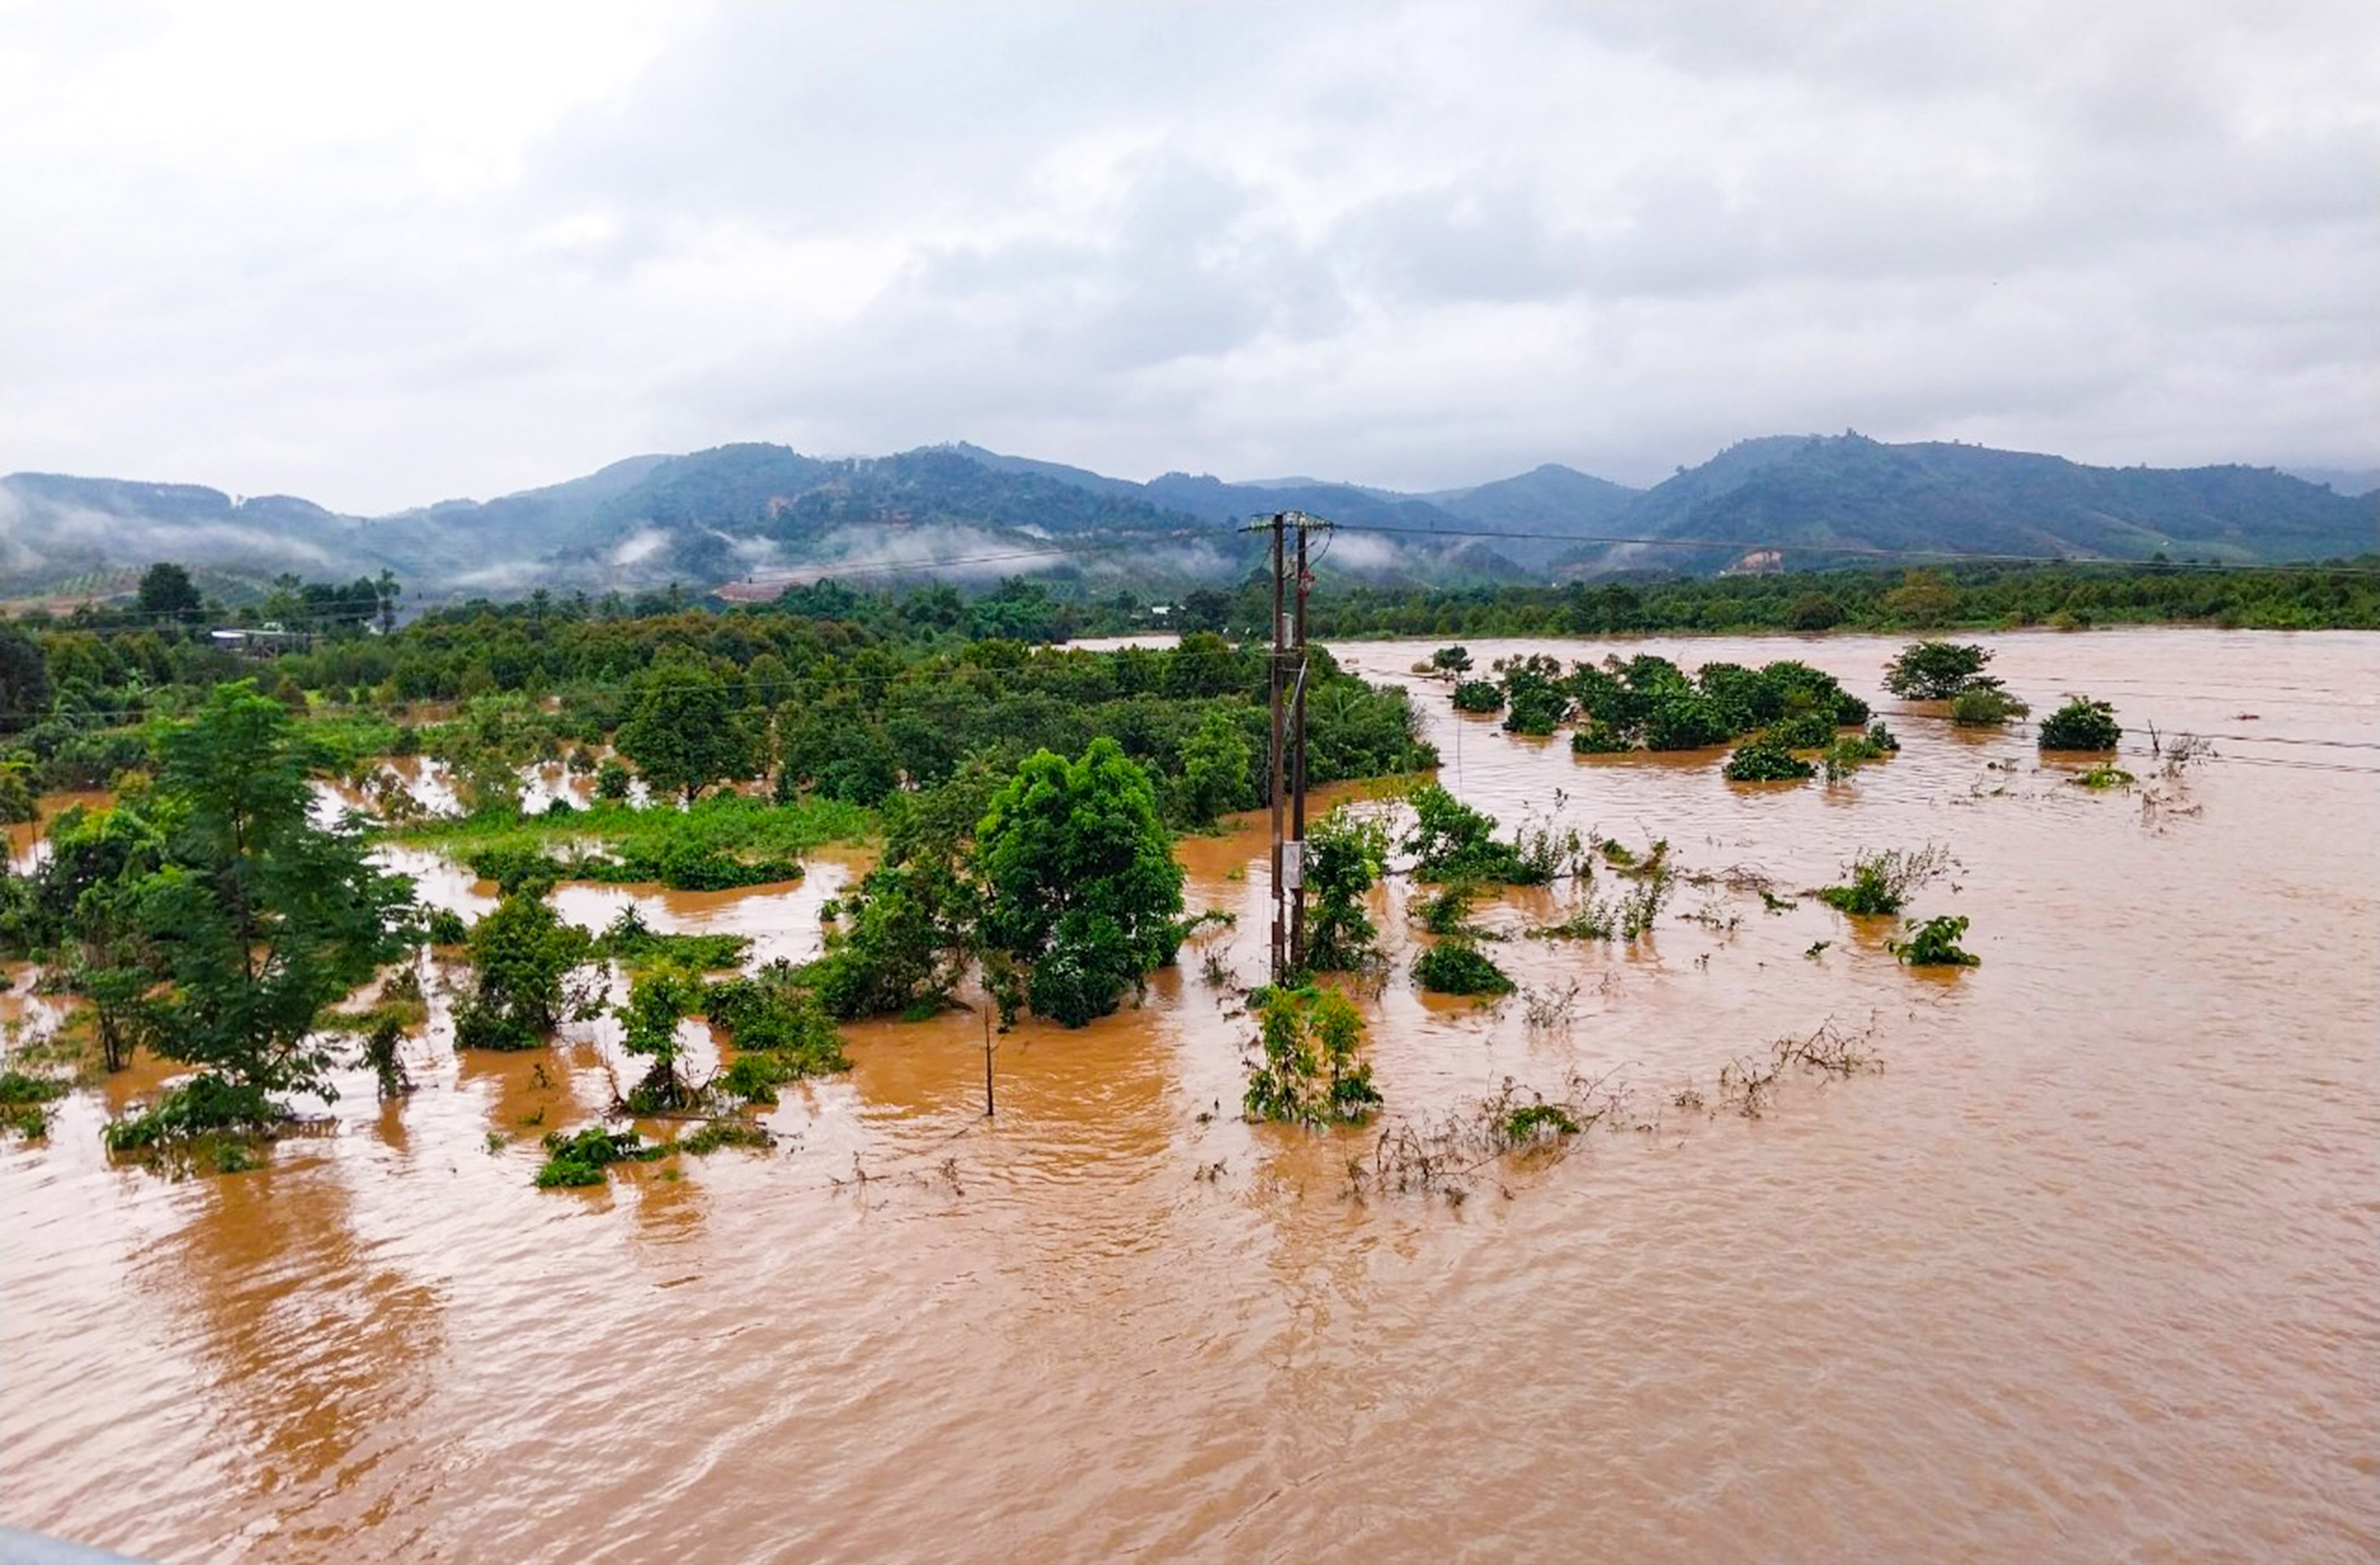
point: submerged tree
(658, 1001)
(1344, 855)
(1310, 1074)
(905, 933)
(1079, 883)
(1936, 671)
(521, 955)
(259, 919)
(2080, 724)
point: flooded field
(2089, 1270)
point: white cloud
(372, 254)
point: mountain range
(749, 519)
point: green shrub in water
(1457, 966)
(1986, 706)
(580, 1160)
(1766, 760)
(2080, 724)
(1880, 884)
(1934, 943)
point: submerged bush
(1934, 943)
(1880, 884)
(771, 1014)
(1804, 731)
(1766, 760)
(1453, 842)
(1534, 693)
(716, 1133)
(206, 1105)
(1344, 855)
(1986, 706)
(24, 1103)
(1458, 966)
(580, 1160)
(1533, 1122)
(1310, 1074)
(1686, 721)
(634, 943)
(1478, 696)
(1847, 755)
(2080, 724)
(522, 956)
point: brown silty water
(2087, 1272)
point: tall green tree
(1216, 767)
(686, 729)
(386, 589)
(24, 679)
(259, 918)
(1080, 886)
(168, 593)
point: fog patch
(640, 545)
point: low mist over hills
(751, 519)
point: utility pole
(1286, 685)
(1296, 849)
(1279, 737)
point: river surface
(2089, 1271)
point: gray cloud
(378, 254)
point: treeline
(2345, 596)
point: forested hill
(1810, 494)
(752, 518)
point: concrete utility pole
(1287, 761)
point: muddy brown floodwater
(2088, 1272)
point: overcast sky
(384, 254)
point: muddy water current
(2088, 1271)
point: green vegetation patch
(636, 945)
(1458, 966)
(1766, 759)
(580, 1160)
(714, 1134)
(1478, 696)
(203, 1106)
(718, 843)
(1311, 1075)
(1986, 706)
(1880, 884)
(25, 1100)
(2080, 724)
(779, 1028)
(1934, 943)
